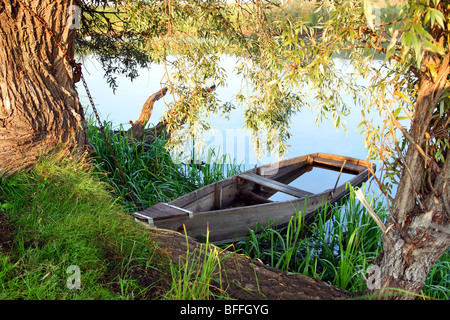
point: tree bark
(418, 229)
(39, 106)
(137, 128)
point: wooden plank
(359, 162)
(161, 211)
(218, 197)
(336, 165)
(253, 197)
(273, 168)
(275, 185)
(352, 164)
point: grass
(59, 215)
(73, 212)
(198, 276)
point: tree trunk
(39, 106)
(418, 229)
(245, 279)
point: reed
(150, 170)
(198, 276)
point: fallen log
(138, 130)
(138, 127)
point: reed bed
(150, 171)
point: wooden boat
(229, 208)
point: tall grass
(151, 173)
(198, 276)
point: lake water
(306, 135)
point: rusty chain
(78, 74)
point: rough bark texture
(418, 224)
(137, 128)
(39, 106)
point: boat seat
(275, 185)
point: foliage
(151, 173)
(288, 62)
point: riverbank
(66, 220)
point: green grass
(198, 276)
(73, 212)
(60, 215)
(151, 173)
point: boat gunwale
(239, 215)
(366, 167)
(274, 203)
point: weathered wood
(219, 209)
(137, 127)
(334, 162)
(218, 197)
(274, 168)
(275, 185)
(233, 223)
(253, 197)
(161, 211)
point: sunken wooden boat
(231, 207)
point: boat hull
(216, 211)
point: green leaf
(431, 47)
(6, 206)
(438, 16)
(403, 96)
(421, 31)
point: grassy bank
(60, 215)
(69, 215)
